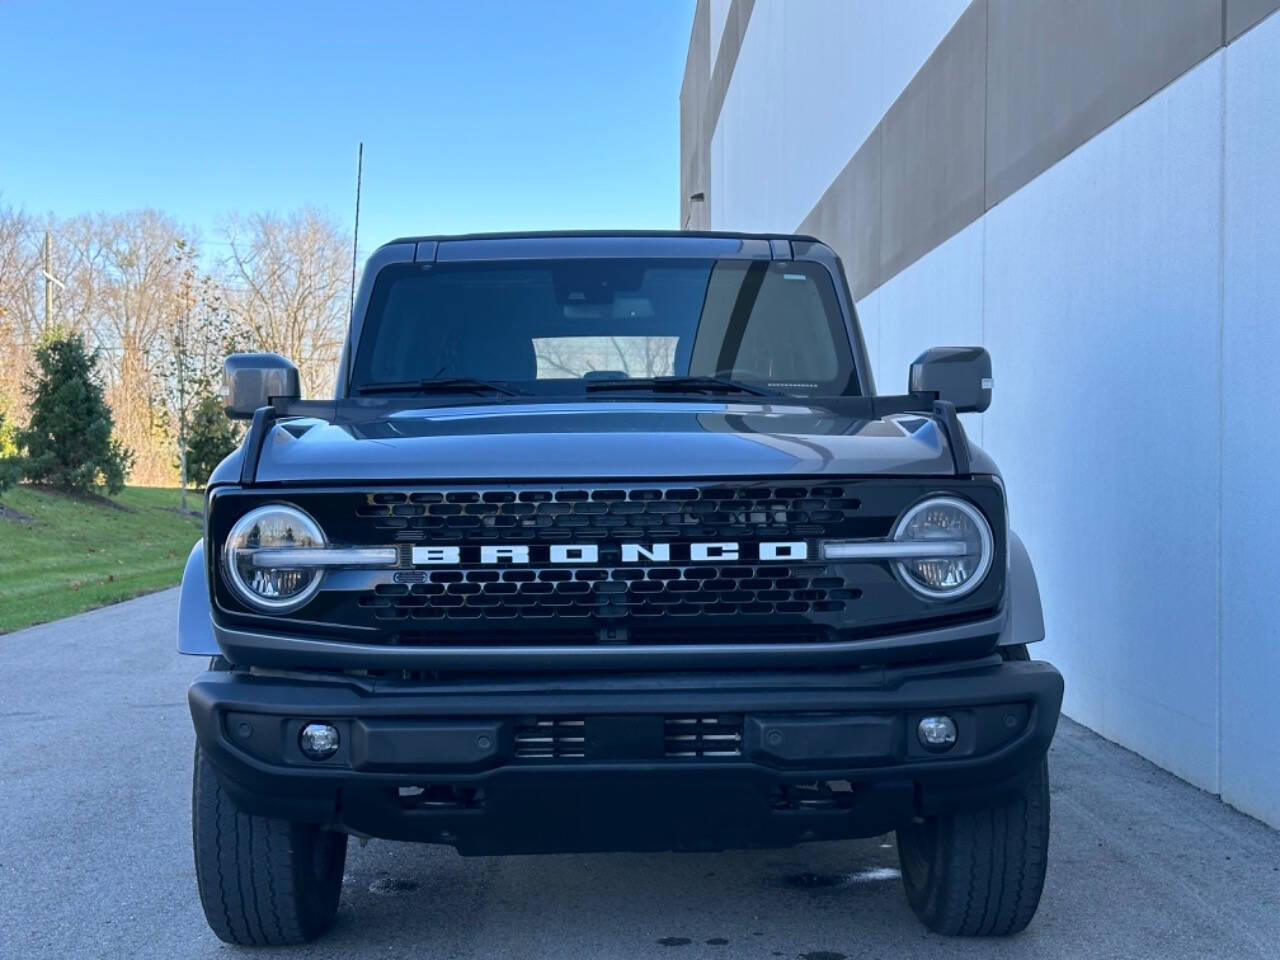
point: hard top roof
(561, 234)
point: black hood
(602, 440)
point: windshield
(556, 327)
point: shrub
(68, 441)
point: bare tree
(287, 285)
(135, 286)
(19, 319)
(636, 356)
(196, 338)
(131, 281)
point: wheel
(263, 882)
(979, 873)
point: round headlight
(964, 545)
(268, 534)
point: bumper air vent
(703, 736)
(564, 738)
(551, 739)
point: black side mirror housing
(961, 375)
(253, 380)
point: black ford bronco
(607, 542)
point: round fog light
(319, 741)
(937, 733)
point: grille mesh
(608, 516)
(608, 513)
(613, 593)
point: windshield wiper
(680, 385)
(445, 385)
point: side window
(766, 321)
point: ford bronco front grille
(611, 594)
(613, 562)
(606, 517)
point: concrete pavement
(95, 860)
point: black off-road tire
(980, 873)
(263, 882)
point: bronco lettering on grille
(586, 553)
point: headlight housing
(256, 558)
(965, 548)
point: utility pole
(48, 281)
(181, 345)
(182, 395)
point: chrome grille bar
(893, 549)
(311, 558)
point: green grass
(61, 555)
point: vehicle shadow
(819, 901)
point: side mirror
(252, 380)
(961, 375)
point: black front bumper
(819, 755)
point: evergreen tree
(10, 466)
(211, 436)
(68, 441)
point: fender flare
(195, 626)
(1024, 620)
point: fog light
(937, 733)
(319, 741)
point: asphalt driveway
(95, 861)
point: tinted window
(547, 324)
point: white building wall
(936, 301)
(719, 14)
(1085, 327)
(1102, 312)
(1130, 297)
(1134, 323)
(812, 80)
(1250, 688)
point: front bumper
(818, 755)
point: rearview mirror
(252, 380)
(961, 375)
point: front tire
(263, 882)
(979, 873)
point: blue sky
(475, 115)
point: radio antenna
(355, 234)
